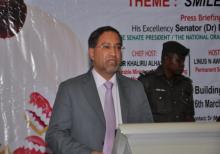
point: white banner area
(44, 42)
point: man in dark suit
(79, 124)
(169, 92)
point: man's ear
(91, 53)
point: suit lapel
(123, 94)
(91, 94)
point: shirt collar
(99, 80)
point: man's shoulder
(186, 79)
(147, 74)
(124, 78)
(127, 80)
(75, 80)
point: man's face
(175, 64)
(106, 56)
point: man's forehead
(109, 37)
(176, 56)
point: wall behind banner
(51, 46)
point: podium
(168, 138)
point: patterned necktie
(110, 119)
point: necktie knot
(108, 85)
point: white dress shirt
(99, 80)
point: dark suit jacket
(170, 100)
(77, 125)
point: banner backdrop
(44, 42)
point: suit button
(103, 143)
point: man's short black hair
(93, 38)
(173, 47)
